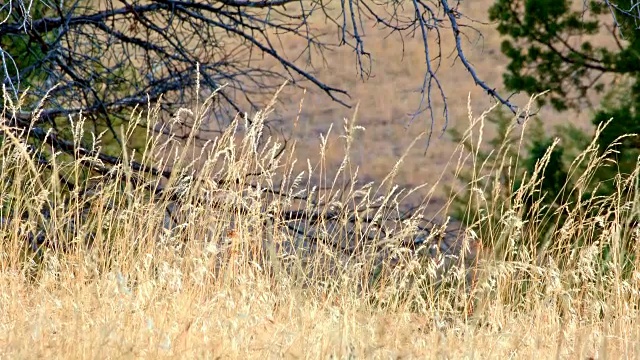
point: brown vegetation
(222, 280)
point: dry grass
(216, 282)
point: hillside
(386, 99)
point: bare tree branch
(453, 16)
(108, 58)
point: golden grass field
(221, 284)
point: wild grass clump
(583, 241)
(222, 248)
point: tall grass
(236, 255)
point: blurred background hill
(391, 95)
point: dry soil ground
(386, 99)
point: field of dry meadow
(219, 283)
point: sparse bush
(537, 200)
